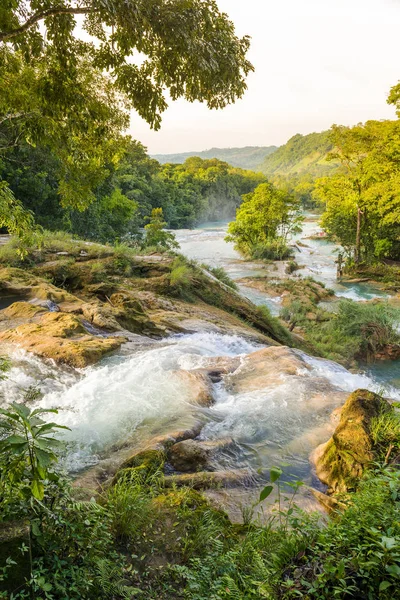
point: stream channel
(133, 395)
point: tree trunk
(357, 253)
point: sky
(317, 62)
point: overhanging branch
(39, 16)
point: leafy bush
(358, 554)
(358, 330)
(273, 250)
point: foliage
(362, 202)
(358, 554)
(264, 222)
(291, 267)
(56, 94)
(205, 62)
(133, 184)
(357, 330)
(27, 450)
(155, 234)
(385, 433)
(302, 154)
(222, 275)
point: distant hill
(248, 157)
(301, 155)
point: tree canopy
(187, 47)
(70, 71)
(363, 201)
(264, 222)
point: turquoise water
(317, 257)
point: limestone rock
(101, 316)
(198, 386)
(266, 367)
(63, 338)
(188, 456)
(206, 479)
(342, 460)
(22, 310)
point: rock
(207, 479)
(151, 459)
(101, 316)
(341, 461)
(25, 284)
(188, 456)
(328, 502)
(63, 338)
(265, 368)
(13, 535)
(388, 352)
(198, 386)
(23, 310)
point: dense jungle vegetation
(134, 184)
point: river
(134, 394)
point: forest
(134, 184)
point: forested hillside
(295, 166)
(301, 154)
(248, 157)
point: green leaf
(274, 474)
(41, 411)
(266, 492)
(37, 489)
(44, 458)
(49, 426)
(15, 439)
(393, 569)
(35, 529)
(384, 585)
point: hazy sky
(317, 62)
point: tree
(264, 222)
(73, 95)
(155, 234)
(189, 48)
(363, 202)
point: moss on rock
(342, 460)
(63, 338)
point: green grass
(222, 275)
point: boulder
(265, 368)
(198, 385)
(341, 461)
(101, 315)
(23, 310)
(188, 456)
(206, 479)
(63, 338)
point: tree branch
(39, 16)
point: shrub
(291, 267)
(273, 250)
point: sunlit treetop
(394, 98)
(186, 47)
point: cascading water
(124, 397)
